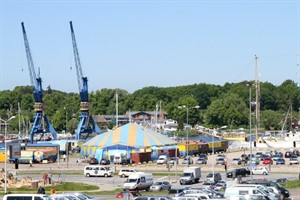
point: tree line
(227, 105)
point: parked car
(254, 160)
(176, 190)
(186, 198)
(220, 186)
(203, 156)
(160, 185)
(93, 161)
(213, 177)
(209, 185)
(277, 157)
(187, 161)
(236, 161)
(104, 161)
(238, 172)
(152, 198)
(260, 170)
(267, 161)
(127, 172)
(294, 160)
(220, 160)
(201, 161)
(280, 161)
(173, 160)
(124, 195)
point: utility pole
(257, 99)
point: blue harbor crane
(87, 124)
(41, 124)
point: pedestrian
(41, 190)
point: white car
(220, 186)
(294, 161)
(236, 161)
(260, 170)
(127, 172)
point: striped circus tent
(128, 138)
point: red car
(268, 161)
(126, 195)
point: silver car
(187, 161)
(160, 185)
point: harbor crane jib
(41, 124)
(87, 124)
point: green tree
(228, 110)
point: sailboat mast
(117, 109)
(257, 99)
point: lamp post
(187, 123)
(5, 147)
(67, 148)
(250, 129)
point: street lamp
(250, 129)
(67, 149)
(187, 123)
(5, 147)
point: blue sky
(135, 44)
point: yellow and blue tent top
(131, 135)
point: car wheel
(123, 176)
(265, 173)
(105, 175)
(87, 175)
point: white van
(163, 159)
(138, 181)
(97, 170)
(119, 157)
(26, 197)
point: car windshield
(131, 180)
(209, 175)
(157, 183)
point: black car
(238, 172)
(104, 161)
(93, 161)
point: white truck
(190, 175)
